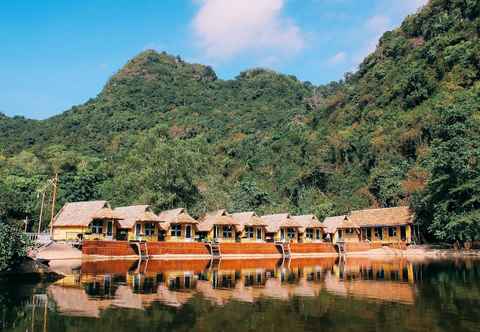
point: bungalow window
(149, 229)
(176, 230)
(227, 232)
(291, 233)
(97, 227)
(249, 232)
(349, 231)
(259, 233)
(379, 233)
(392, 231)
(309, 233)
(318, 234)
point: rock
(29, 268)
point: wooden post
(41, 213)
(54, 198)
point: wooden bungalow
(178, 225)
(251, 227)
(138, 223)
(281, 228)
(330, 227)
(85, 220)
(311, 228)
(387, 225)
(218, 226)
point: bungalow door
(138, 231)
(403, 233)
(188, 232)
(259, 234)
(110, 228)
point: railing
(39, 238)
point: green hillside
(169, 133)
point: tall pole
(54, 198)
(41, 213)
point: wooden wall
(307, 248)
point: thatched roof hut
(385, 217)
(175, 216)
(276, 221)
(331, 223)
(219, 218)
(136, 213)
(395, 216)
(248, 219)
(308, 221)
(81, 214)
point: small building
(218, 226)
(330, 227)
(178, 225)
(311, 228)
(281, 228)
(138, 223)
(251, 227)
(347, 231)
(93, 220)
(386, 225)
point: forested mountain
(403, 129)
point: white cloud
(338, 58)
(227, 28)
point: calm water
(252, 295)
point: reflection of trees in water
(447, 298)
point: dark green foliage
(248, 197)
(14, 245)
(450, 205)
(169, 133)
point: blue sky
(59, 53)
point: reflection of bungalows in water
(378, 280)
(382, 226)
(87, 220)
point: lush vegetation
(14, 246)
(170, 134)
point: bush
(14, 246)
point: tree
(449, 207)
(14, 245)
(248, 197)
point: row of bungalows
(385, 226)
(361, 230)
(96, 220)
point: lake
(325, 294)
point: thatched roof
(275, 221)
(131, 214)
(348, 223)
(220, 217)
(307, 221)
(82, 213)
(331, 223)
(395, 216)
(248, 219)
(175, 216)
